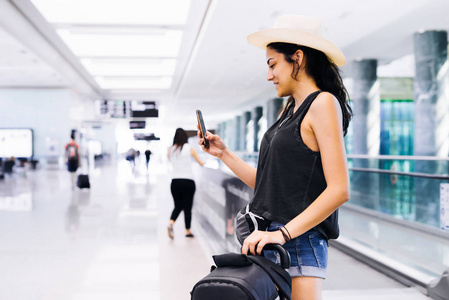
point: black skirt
(72, 165)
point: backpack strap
(277, 273)
(279, 276)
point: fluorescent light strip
(130, 67)
(121, 45)
(134, 83)
(166, 12)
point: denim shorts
(308, 253)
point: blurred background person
(131, 156)
(72, 159)
(147, 157)
(182, 185)
(8, 166)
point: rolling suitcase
(252, 277)
(83, 181)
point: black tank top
(289, 174)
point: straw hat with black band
(299, 30)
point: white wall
(49, 112)
(107, 137)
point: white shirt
(181, 162)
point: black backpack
(252, 277)
(72, 152)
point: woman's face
(279, 72)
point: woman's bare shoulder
(325, 103)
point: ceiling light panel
(134, 82)
(129, 67)
(126, 43)
(138, 12)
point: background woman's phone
(199, 117)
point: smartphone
(199, 117)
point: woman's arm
(325, 120)
(195, 155)
(240, 168)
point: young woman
(182, 185)
(302, 176)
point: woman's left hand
(258, 239)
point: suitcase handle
(285, 256)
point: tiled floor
(110, 242)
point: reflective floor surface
(110, 241)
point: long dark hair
(180, 138)
(325, 73)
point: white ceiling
(217, 70)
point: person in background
(72, 159)
(8, 165)
(302, 175)
(147, 157)
(182, 184)
(131, 156)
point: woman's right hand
(216, 145)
